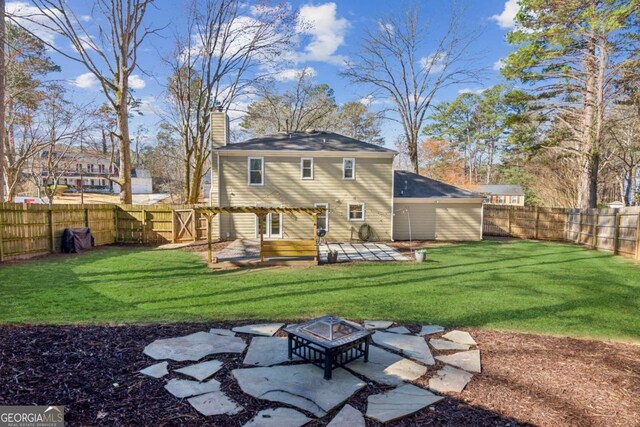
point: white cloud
(149, 106)
(470, 90)
(498, 64)
(85, 18)
(294, 73)
(135, 82)
(326, 31)
(386, 27)
(370, 100)
(85, 81)
(507, 19)
(435, 62)
(31, 18)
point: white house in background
(92, 172)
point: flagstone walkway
(401, 362)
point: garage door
(421, 217)
(437, 221)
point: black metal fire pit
(329, 342)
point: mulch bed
(526, 380)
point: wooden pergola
(275, 248)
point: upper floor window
(501, 199)
(256, 171)
(514, 200)
(348, 168)
(306, 168)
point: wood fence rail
(613, 230)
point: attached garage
(426, 209)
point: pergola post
(209, 216)
(315, 233)
(261, 219)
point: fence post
(638, 238)
(173, 226)
(1, 231)
(616, 231)
(595, 219)
(537, 222)
(51, 231)
(115, 223)
(579, 238)
(144, 226)
(509, 219)
(86, 217)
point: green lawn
(517, 285)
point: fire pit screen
(328, 342)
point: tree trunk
(124, 144)
(2, 130)
(412, 148)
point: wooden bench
(288, 248)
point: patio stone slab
(387, 368)
(439, 344)
(377, 324)
(267, 351)
(348, 417)
(215, 403)
(409, 345)
(431, 329)
(201, 371)
(186, 388)
(461, 337)
(399, 330)
(400, 402)
(193, 347)
(450, 379)
(467, 360)
(278, 417)
(265, 329)
(218, 331)
(158, 370)
(302, 386)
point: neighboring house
(91, 172)
(78, 169)
(502, 194)
(352, 179)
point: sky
(333, 34)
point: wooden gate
(184, 225)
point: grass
(517, 285)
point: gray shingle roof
(319, 141)
(408, 184)
(514, 190)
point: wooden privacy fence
(28, 230)
(614, 230)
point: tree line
(564, 123)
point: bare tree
(216, 60)
(111, 57)
(304, 106)
(624, 143)
(61, 124)
(393, 62)
(2, 76)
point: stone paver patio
(400, 357)
(248, 250)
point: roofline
(301, 153)
(450, 199)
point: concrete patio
(247, 251)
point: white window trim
(514, 200)
(302, 168)
(249, 171)
(326, 206)
(349, 211)
(353, 160)
(267, 234)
